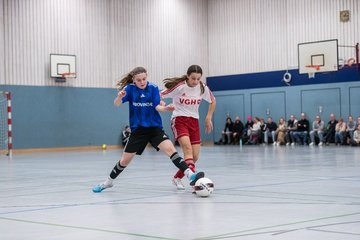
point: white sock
(188, 173)
(109, 181)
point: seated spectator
(302, 130)
(249, 123)
(291, 128)
(317, 131)
(255, 132)
(356, 139)
(262, 130)
(350, 128)
(330, 130)
(227, 132)
(281, 132)
(340, 130)
(125, 135)
(270, 130)
(238, 129)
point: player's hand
(121, 93)
(170, 107)
(208, 126)
(162, 103)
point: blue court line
(236, 233)
(87, 228)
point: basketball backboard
(321, 56)
(62, 64)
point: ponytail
(128, 78)
(170, 83)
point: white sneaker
(293, 144)
(311, 144)
(274, 143)
(287, 144)
(177, 182)
(320, 144)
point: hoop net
(312, 70)
(5, 124)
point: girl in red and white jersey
(187, 92)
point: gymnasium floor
(261, 192)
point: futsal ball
(104, 147)
(204, 187)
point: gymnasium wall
(2, 56)
(110, 37)
(262, 35)
(266, 95)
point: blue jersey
(142, 103)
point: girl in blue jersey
(146, 125)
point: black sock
(179, 162)
(116, 170)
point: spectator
(291, 128)
(350, 128)
(238, 129)
(125, 135)
(281, 132)
(340, 130)
(270, 129)
(249, 123)
(302, 130)
(255, 132)
(262, 130)
(330, 130)
(318, 131)
(227, 132)
(356, 139)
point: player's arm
(208, 119)
(160, 104)
(165, 108)
(119, 97)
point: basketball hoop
(314, 68)
(64, 76)
(68, 75)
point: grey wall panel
(268, 104)
(110, 37)
(35, 28)
(230, 105)
(354, 101)
(2, 37)
(322, 102)
(163, 36)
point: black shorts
(142, 136)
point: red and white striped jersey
(187, 99)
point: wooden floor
(261, 192)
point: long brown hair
(128, 78)
(172, 82)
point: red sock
(190, 163)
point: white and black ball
(204, 187)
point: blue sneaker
(100, 187)
(196, 176)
